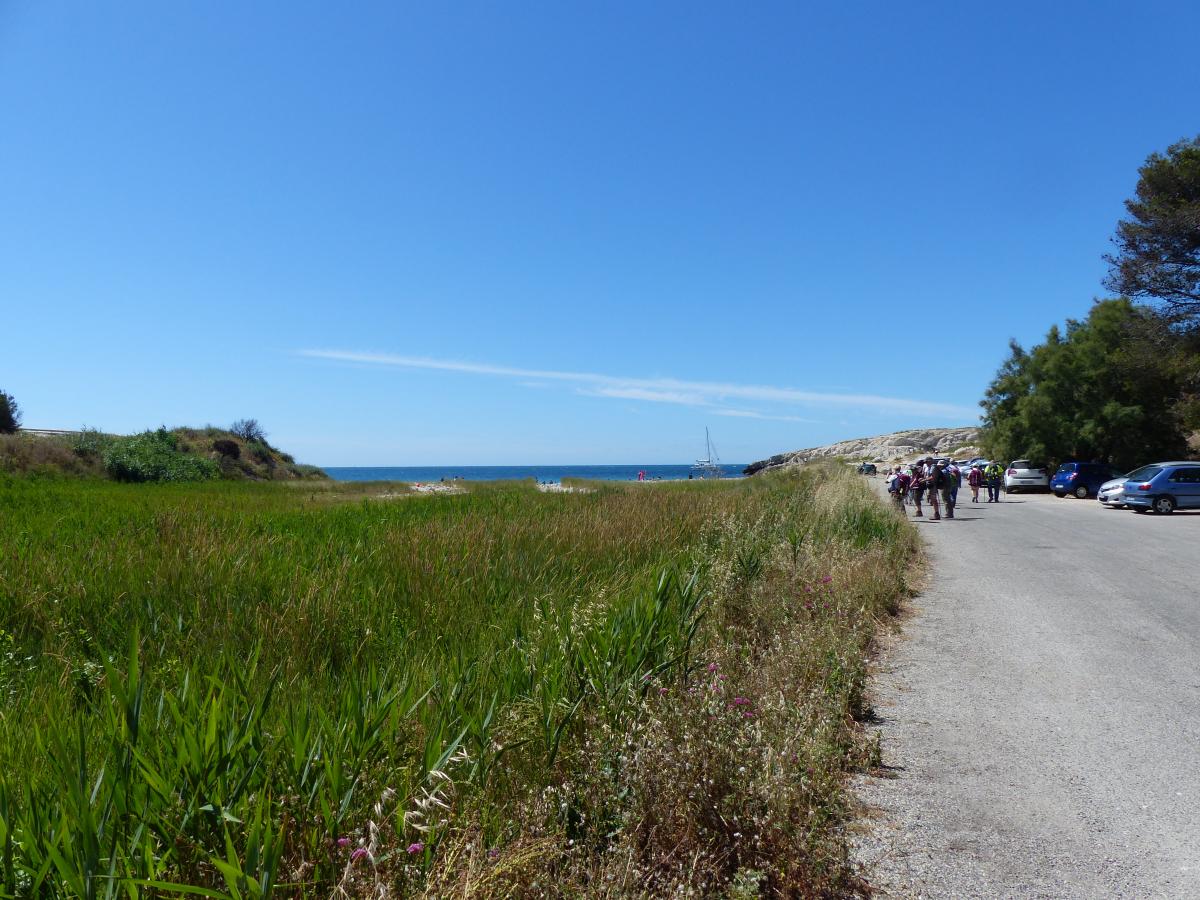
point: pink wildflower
(416, 847)
(343, 842)
(740, 701)
(827, 579)
(493, 853)
(359, 853)
(712, 667)
(747, 715)
(662, 692)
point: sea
(426, 474)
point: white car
(1023, 475)
(1112, 493)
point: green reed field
(314, 690)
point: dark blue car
(1081, 479)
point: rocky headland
(900, 445)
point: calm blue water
(496, 473)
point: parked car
(1164, 487)
(1081, 479)
(866, 469)
(1022, 475)
(1112, 493)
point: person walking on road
(935, 477)
(897, 485)
(995, 478)
(975, 480)
(917, 487)
(949, 488)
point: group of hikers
(938, 481)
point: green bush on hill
(10, 414)
(155, 456)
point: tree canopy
(1158, 246)
(10, 414)
(1099, 392)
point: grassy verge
(180, 454)
(253, 689)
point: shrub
(155, 456)
(228, 448)
(10, 414)
(90, 443)
(249, 430)
(261, 453)
(29, 454)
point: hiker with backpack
(916, 488)
(949, 487)
(975, 480)
(897, 485)
(935, 483)
(994, 475)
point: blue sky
(512, 233)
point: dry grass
(29, 454)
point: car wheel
(1081, 492)
(1164, 505)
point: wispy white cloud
(653, 396)
(663, 390)
(755, 414)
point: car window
(1145, 473)
(1021, 464)
(1066, 467)
(1186, 476)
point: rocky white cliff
(957, 442)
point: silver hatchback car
(1112, 492)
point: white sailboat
(710, 465)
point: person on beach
(975, 480)
(994, 475)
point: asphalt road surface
(1040, 711)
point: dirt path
(1041, 710)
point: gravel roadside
(1040, 712)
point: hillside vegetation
(178, 454)
(308, 690)
(900, 445)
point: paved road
(1041, 710)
